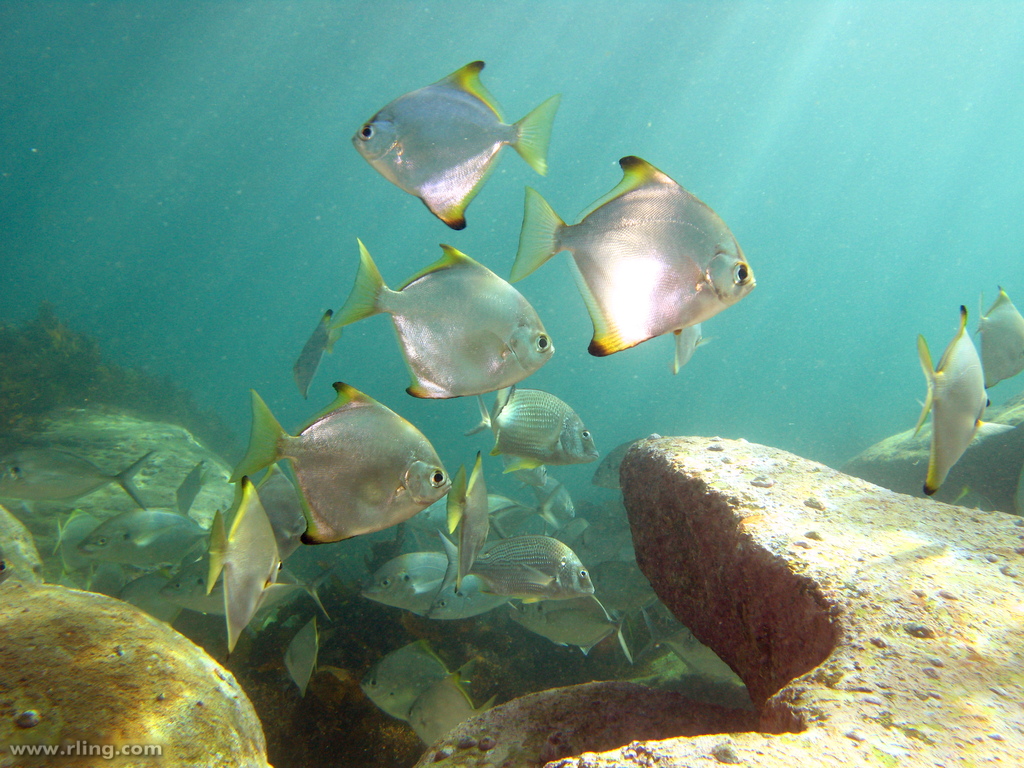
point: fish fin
(538, 239)
(263, 441)
(368, 289)
(456, 504)
(485, 418)
(124, 479)
(929, 373)
(519, 462)
(468, 79)
(986, 429)
(218, 548)
(537, 577)
(635, 173)
(452, 570)
(679, 351)
(607, 338)
(960, 332)
(622, 643)
(451, 257)
(533, 134)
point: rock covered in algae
(540, 727)
(18, 550)
(986, 476)
(871, 628)
(77, 668)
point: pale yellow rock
(88, 669)
(18, 550)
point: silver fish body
(142, 537)
(581, 621)
(462, 329)
(397, 680)
(360, 467)
(687, 341)
(300, 656)
(469, 511)
(531, 568)
(441, 707)
(440, 142)
(47, 474)
(283, 506)
(322, 340)
(649, 258)
(189, 489)
(1002, 341)
(539, 428)
(409, 581)
(956, 399)
(468, 600)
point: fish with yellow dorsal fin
(956, 399)
(246, 558)
(468, 510)
(649, 258)
(463, 330)
(441, 142)
(359, 466)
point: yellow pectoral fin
(520, 462)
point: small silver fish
(440, 142)
(508, 515)
(687, 341)
(530, 568)
(536, 428)
(409, 581)
(312, 353)
(463, 330)
(471, 599)
(189, 489)
(360, 467)
(70, 534)
(607, 473)
(469, 512)
(1002, 341)
(397, 680)
(649, 257)
(441, 707)
(46, 474)
(956, 399)
(283, 506)
(144, 593)
(247, 558)
(143, 538)
(555, 504)
(535, 477)
(300, 657)
(581, 621)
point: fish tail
(124, 479)
(538, 240)
(452, 571)
(363, 301)
(263, 441)
(485, 418)
(533, 134)
(929, 373)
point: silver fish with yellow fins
(360, 467)
(536, 428)
(649, 258)
(469, 511)
(246, 557)
(463, 330)
(441, 142)
(1002, 341)
(956, 399)
(322, 340)
(48, 474)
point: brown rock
(90, 672)
(834, 640)
(18, 550)
(986, 476)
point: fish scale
(510, 567)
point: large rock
(80, 669)
(539, 727)
(987, 476)
(871, 628)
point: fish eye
(586, 434)
(437, 479)
(366, 132)
(543, 342)
(385, 582)
(742, 273)
(406, 577)
(101, 541)
(583, 573)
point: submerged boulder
(986, 477)
(871, 628)
(93, 674)
(18, 550)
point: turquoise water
(177, 179)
